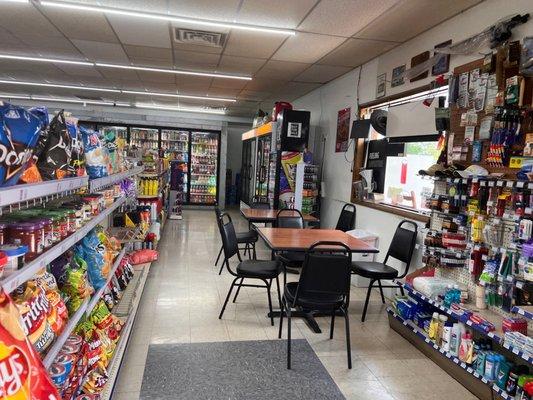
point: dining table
(300, 240)
(263, 215)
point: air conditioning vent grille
(199, 38)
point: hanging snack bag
(19, 132)
(23, 375)
(76, 285)
(92, 250)
(95, 155)
(32, 174)
(34, 308)
(54, 162)
(77, 161)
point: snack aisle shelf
(422, 335)
(96, 184)
(32, 191)
(130, 304)
(525, 312)
(61, 339)
(14, 280)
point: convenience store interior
(244, 199)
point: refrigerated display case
(247, 170)
(120, 132)
(147, 138)
(262, 169)
(204, 155)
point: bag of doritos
(22, 374)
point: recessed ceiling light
(42, 59)
(184, 109)
(173, 71)
(165, 17)
(97, 89)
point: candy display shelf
(127, 308)
(11, 282)
(96, 184)
(32, 191)
(484, 394)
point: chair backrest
(325, 271)
(288, 218)
(346, 220)
(264, 206)
(229, 237)
(403, 244)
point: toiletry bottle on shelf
(446, 336)
(434, 326)
(442, 321)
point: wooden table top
(269, 215)
(288, 239)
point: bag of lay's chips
(19, 132)
(22, 374)
(95, 154)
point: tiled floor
(184, 294)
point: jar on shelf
(27, 234)
(15, 257)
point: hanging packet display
(77, 160)
(95, 154)
(32, 174)
(19, 132)
(92, 250)
(22, 375)
(54, 162)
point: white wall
(325, 102)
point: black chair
(324, 286)
(346, 220)
(401, 248)
(288, 218)
(247, 269)
(249, 239)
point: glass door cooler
(204, 154)
(262, 169)
(175, 144)
(146, 138)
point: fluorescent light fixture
(174, 71)
(42, 59)
(179, 96)
(14, 1)
(166, 17)
(63, 100)
(56, 85)
(183, 109)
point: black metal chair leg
(282, 309)
(246, 249)
(332, 326)
(348, 340)
(279, 291)
(219, 254)
(381, 291)
(367, 299)
(288, 310)
(222, 266)
(270, 302)
(238, 290)
(255, 253)
(227, 298)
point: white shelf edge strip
(448, 355)
(120, 350)
(96, 296)
(26, 192)
(521, 311)
(61, 339)
(95, 184)
(28, 271)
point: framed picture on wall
(343, 130)
(381, 87)
(443, 65)
(417, 60)
(397, 76)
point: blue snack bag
(95, 156)
(19, 132)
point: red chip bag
(143, 256)
(22, 374)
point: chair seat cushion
(374, 270)
(317, 301)
(247, 237)
(293, 259)
(258, 269)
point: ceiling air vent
(199, 38)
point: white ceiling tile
(25, 19)
(79, 70)
(239, 65)
(252, 44)
(253, 95)
(219, 10)
(196, 48)
(148, 52)
(156, 77)
(151, 62)
(411, 17)
(195, 61)
(344, 17)
(229, 83)
(146, 33)
(193, 84)
(306, 47)
(219, 92)
(46, 46)
(297, 89)
(114, 74)
(156, 6)
(355, 52)
(283, 70)
(321, 73)
(97, 81)
(128, 84)
(265, 85)
(102, 52)
(161, 87)
(31, 67)
(275, 13)
(79, 25)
